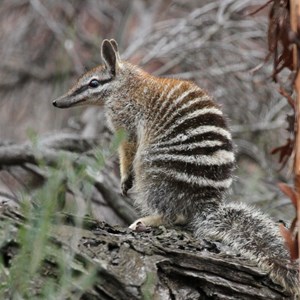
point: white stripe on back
(170, 119)
(181, 137)
(191, 179)
(186, 147)
(189, 116)
(219, 157)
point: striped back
(189, 147)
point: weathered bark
(158, 264)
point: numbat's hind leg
(154, 221)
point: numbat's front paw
(139, 226)
(126, 184)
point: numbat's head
(95, 85)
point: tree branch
(158, 264)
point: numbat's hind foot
(139, 226)
(143, 223)
(154, 221)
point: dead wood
(158, 264)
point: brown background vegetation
(45, 45)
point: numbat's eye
(94, 83)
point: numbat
(178, 156)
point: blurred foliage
(44, 238)
(27, 276)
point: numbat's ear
(115, 46)
(109, 56)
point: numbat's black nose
(54, 103)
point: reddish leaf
(290, 242)
(293, 225)
(290, 192)
(295, 231)
(297, 246)
(284, 151)
(260, 8)
(288, 97)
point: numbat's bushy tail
(179, 158)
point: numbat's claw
(126, 185)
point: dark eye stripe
(102, 82)
(94, 83)
(86, 86)
(80, 90)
